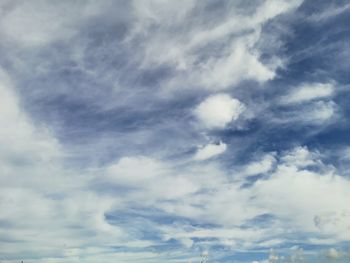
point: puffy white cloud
(260, 167)
(239, 64)
(314, 202)
(205, 195)
(308, 92)
(300, 157)
(306, 197)
(209, 151)
(218, 110)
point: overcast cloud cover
(160, 130)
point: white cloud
(299, 194)
(218, 110)
(314, 113)
(345, 153)
(231, 39)
(205, 195)
(333, 253)
(171, 188)
(310, 104)
(308, 92)
(25, 146)
(260, 167)
(200, 192)
(307, 196)
(35, 186)
(329, 13)
(240, 63)
(40, 22)
(133, 171)
(153, 179)
(294, 208)
(155, 11)
(230, 237)
(300, 157)
(209, 151)
(216, 205)
(320, 111)
(222, 233)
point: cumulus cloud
(178, 192)
(209, 151)
(292, 208)
(305, 196)
(239, 64)
(300, 157)
(218, 110)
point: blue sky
(157, 131)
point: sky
(155, 131)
